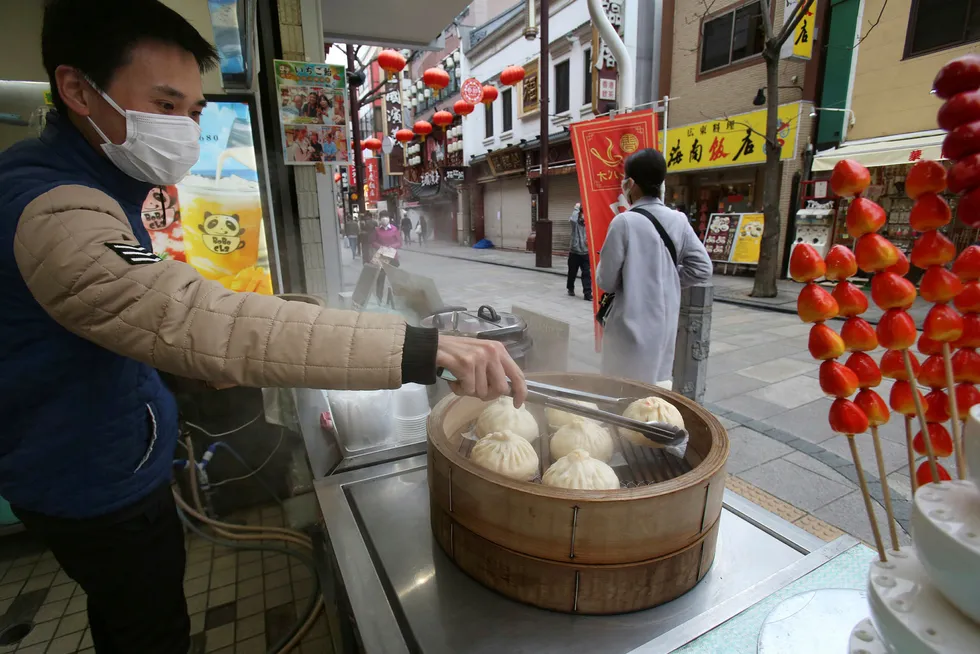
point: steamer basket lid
(483, 323)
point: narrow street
(762, 384)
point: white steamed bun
(650, 409)
(558, 418)
(582, 434)
(502, 416)
(506, 453)
(578, 470)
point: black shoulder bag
(606, 301)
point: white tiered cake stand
(926, 599)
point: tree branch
(789, 24)
(767, 18)
(751, 129)
(873, 24)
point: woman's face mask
(385, 222)
(627, 188)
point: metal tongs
(557, 397)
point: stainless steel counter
(407, 596)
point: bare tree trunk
(768, 269)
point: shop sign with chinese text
(530, 100)
(800, 45)
(372, 185)
(732, 141)
(601, 147)
(605, 73)
(392, 121)
(506, 162)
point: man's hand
(482, 368)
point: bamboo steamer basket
(592, 552)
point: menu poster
(748, 239)
(212, 219)
(313, 112)
(720, 235)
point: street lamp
(850, 122)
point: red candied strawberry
(967, 397)
(928, 346)
(847, 417)
(966, 366)
(942, 442)
(968, 300)
(867, 371)
(965, 173)
(851, 300)
(873, 406)
(960, 109)
(962, 141)
(890, 291)
(925, 177)
(939, 285)
(959, 75)
(815, 304)
(971, 332)
(968, 210)
(858, 335)
(849, 178)
(806, 264)
(837, 380)
(901, 268)
(930, 211)
(943, 324)
(937, 406)
(931, 249)
(923, 474)
(824, 343)
(933, 372)
(864, 216)
(901, 399)
(896, 330)
(967, 265)
(893, 365)
(841, 263)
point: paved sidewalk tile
(778, 370)
(895, 456)
(791, 393)
(757, 496)
(808, 421)
(806, 461)
(752, 407)
(730, 385)
(819, 528)
(848, 513)
(750, 448)
(798, 486)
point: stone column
(693, 338)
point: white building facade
(501, 140)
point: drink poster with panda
(601, 147)
(213, 218)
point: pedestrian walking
(422, 228)
(406, 227)
(578, 254)
(650, 254)
(351, 231)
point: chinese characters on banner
(601, 147)
(748, 239)
(734, 141)
(720, 235)
(372, 187)
(604, 70)
(800, 45)
(392, 120)
(313, 112)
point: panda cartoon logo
(222, 233)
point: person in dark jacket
(90, 315)
(578, 255)
(406, 230)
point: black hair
(648, 169)
(98, 37)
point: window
(731, 37)
(588, 76)
(562, 80)
(507, 106)
(488, 119)
(940, 24)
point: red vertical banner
(601, 147)
(372, 190)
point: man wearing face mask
(578, 254)
(90, 313)
(649, 255)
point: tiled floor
(240, 602)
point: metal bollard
(693, 339)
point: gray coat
(641, 328)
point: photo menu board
(313, 112)
(720, 236)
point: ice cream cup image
(222, 223)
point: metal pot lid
(483, 323)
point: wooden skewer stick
(911, 453)
(867, 498)
(921, 413)
(954, 412)
(885, 490)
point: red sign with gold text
(372, 190)
(601, 147)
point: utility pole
(356, 184)
(542, 237)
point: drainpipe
(627, 80)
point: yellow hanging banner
(732, 141)
(803, 34)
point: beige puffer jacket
(165, 314)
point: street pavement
(762, 384)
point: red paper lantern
(392, 62)
(512, 75)
(371, 144)
(423, 129)
(443, 119)
(490, 94)
(463, 108)
(436, 79)
(404, 135)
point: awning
(885, 151)
(388, 23)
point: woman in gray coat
(637, 265)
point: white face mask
(158, 149)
